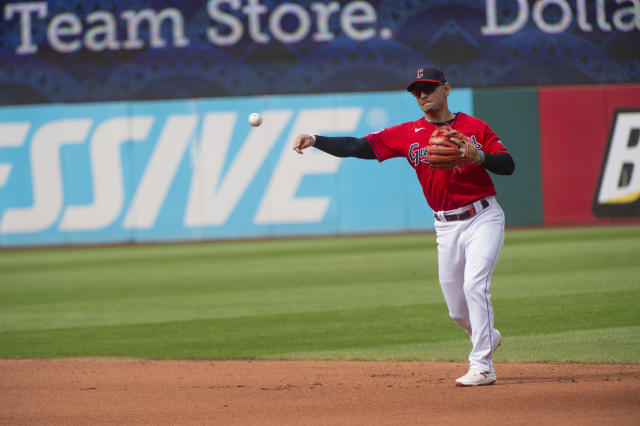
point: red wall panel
(574, 129)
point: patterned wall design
(368, 46)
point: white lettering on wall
(160, 172)
(104, 36)
(64, 25)
(68, 32)
(106, 164)
(280, 204)
(358, 13)
(212, 198)
(232, 20)
(236, 29)
(625, 17)
(65, 30)
(46, 175)
(11, 135)
(583, 23)
(25, 10)
(557, 27)
(324, 12)
(219, 178)
(621, 173)
(275, 23)
(254, 10)
(154, 20)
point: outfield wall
(194, 169)
(126, 121)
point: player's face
(431, 97)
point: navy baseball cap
(427, 75)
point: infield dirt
(108, 392)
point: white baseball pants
(467, 254)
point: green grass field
(559, 295)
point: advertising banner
(195, 169)
(590, 153)
(83, 51)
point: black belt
(468, 213)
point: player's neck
(442, 116)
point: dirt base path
(108, 392)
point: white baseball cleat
(475, 377)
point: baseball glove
(450, 149)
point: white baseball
(255, 119)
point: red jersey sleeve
(388, 143)
(491, 143)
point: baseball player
(469, 222)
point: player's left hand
(466, 148)
(450, 149)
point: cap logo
(420, 73)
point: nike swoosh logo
(417, 130)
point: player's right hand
(303, 141)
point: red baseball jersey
(444, 189)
